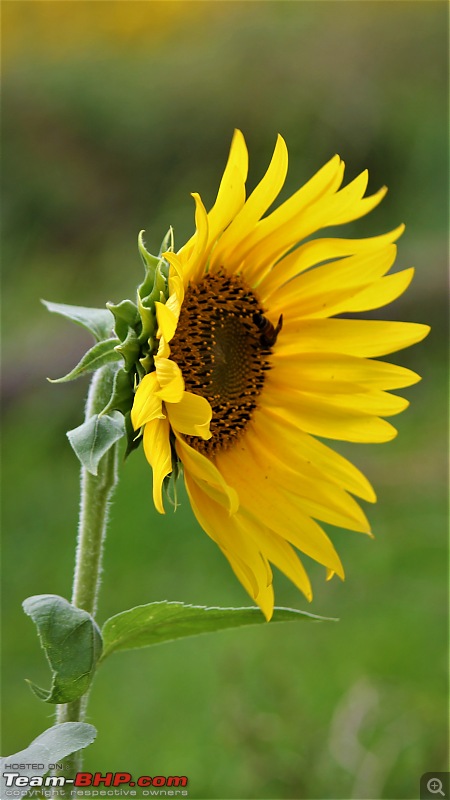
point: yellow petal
(203, 469)
(173, 303)
(237, 161)
(334, 209)
(256, 205)
(191, 415)
(176, 279)
(315, 289)
(327, 179)
(262, 595)
(279, 553)
(192, 257)
(226, 531)
(364, 206)
(231, 194)
(303, 450)
(229, 501)
(170, 380)
(163, 349)
(316, 251)
(158, 453)
(337, 205)
(243, 573)
(320, 499)
(230, 199)
(351, 336)
(278, 232)
(352, 299)
(286, 517)
(193, 254)
(359, 400)
(146, 405)
(266, 599)
(167, 321)
(378, 294)
(337, 372)
(318, 415)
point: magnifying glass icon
(434, 785)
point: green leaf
(164, 621)
(99, 355)
(72, 644)
(98, 321)
(49, 748)
(91, 440)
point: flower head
(253, 363)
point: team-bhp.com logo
(110, 784)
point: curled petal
(201, 468)
(158, 454)
(191, 415)
(167, 319)
(170, 379)
(147, 405)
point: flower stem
(96, 493)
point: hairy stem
(96, 493)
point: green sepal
(91, 440)
(168, 243)
(146, 364)
(98, 321)
(102, 353)
(157, 271)
(159, 291)
(148, 321)
(72, 644)
(165, 621)
(126, 315)
(129, 350)
(150, 262)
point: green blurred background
(113, 113)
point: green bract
(125, 335)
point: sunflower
(254, 363)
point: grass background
(113, 113)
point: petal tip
(425, 331)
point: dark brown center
(221, 346)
